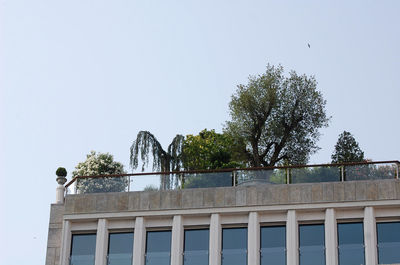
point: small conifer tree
(347, 149)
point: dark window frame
(349, 221)
(382, 221)
(235, 226)
(311, 223)
(265, 225)
(157, 229)
(119, 231)
(194, 228)
(78, 233)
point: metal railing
(174, 180)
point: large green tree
(100, 164)
(278, 117)
(347, 149)
(211, 150)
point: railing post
(182, 178)
(288, 176)
(233, 178)
(397, 170)
(342, 173)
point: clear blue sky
(84, 75)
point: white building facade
(338, 223)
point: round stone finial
(61, 175)
(61, 180)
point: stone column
(253, 240)
(101, 242)
(177, 241)
(215, 240)
(60, 190)
(65, 243)
(331, 250)
(370, 240)
(139, 241)
(292, 238)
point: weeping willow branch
(147, 145)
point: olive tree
(278, 117)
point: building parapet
(261, 195)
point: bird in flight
(308, 44)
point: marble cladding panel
(231, 196)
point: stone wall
(234, 196)
(241, 196)
(54, 235)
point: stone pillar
(65, 243)
(253, 240)
(292, 238)
(101, 242)
(139, 241)
(60, 190)
(370, 240)
(177, 241)
(331, 250)
(215, 240)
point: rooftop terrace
(164, 181)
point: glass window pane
(234, 246)
(158, 248)
(83, 249)
(196, 247)
(312, 244)
(273, 245)
(120, 248)
(351, 244)
(388, 242)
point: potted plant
(61, 175)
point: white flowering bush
(100, 164)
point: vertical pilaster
(215, 240)
(65, 243)
(292, 238)
(60, 190)
(253, 240)
(177, 241)
(331, 250)
(101, 242)
(371, 253)
(139, 241)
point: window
(388, 242)
(234, 246)
(273, 245)
(351, 244)
(312, 244)
(196, 247)
(83, 249)
(120, 249)
(158, 248)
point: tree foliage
(347, 149)
(100, 164)
(207, 150)
(211, 150)
(146, 144)
(277, 117)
